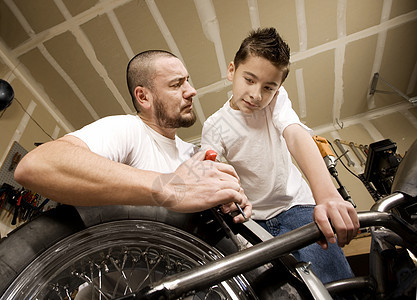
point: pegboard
(8, 167)
(15, 154)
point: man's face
(255, 83)
(172, 94)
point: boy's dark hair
(140, 70)
(266, 43)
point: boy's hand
(343, 218)
(330, 205)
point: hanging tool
(15, 160)
(344, 153)
(17, 207)
(2, 198)
(364, 150)
(330, 160)
(212, 155)
(358, 155)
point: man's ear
(143, 97)
(231, 71)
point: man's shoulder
(125, 118)
(117, 124)
(111, 124)
(119, 121)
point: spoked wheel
(117, 258)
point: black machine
(381, 165)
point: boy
(257, 131)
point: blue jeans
(329, 265)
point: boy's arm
(330, 205)
(67, 171)
(211, 138)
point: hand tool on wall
(330, 160)
(16, 158)
(344, 153)
(364, 150)
(17, 207)
(357, 153)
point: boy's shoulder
(219, 114)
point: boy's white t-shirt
(253, 144)
(128, 140)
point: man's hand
(232, 207)
(200, 184)
(343, 218)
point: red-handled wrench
(211, 155)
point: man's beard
(168, 122)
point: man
(137, 160)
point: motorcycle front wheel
(109, 258)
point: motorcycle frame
(250, 258)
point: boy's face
(255, 83)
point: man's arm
(330, 205)
(66, 171)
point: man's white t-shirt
(254, 145)
(128, 140)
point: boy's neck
(233, 105)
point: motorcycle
(127, 252)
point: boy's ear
(231, 71)
(277, 92)
(143, 97)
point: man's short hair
(140, 71)
(266, 43)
